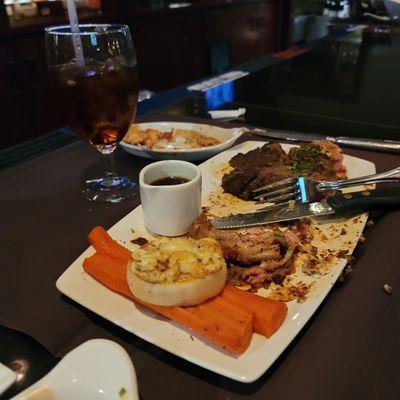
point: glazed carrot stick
(268, 314)
(227, 311)
(109, 271)
(233, 336)
(229, 315)
(104, 244)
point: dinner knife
(339, 205)
(391, 146)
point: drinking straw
(76, 36)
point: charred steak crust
(264, 156)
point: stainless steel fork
(305, 190)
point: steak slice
(253, 169)
(256, 256)
(239, 183)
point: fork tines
(277, 192)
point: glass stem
(110, 177)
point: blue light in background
(93, 40)
(219, 95)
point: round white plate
(7, 378)
(98, 369)
(227, 137)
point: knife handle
(368, 200)
(390, 146)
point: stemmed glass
(100, 88)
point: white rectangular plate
(172, 337)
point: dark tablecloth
(349, 350)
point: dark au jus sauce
(169, 180)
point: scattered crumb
(289, 292)
(370, 223)
(140, 241)
(362, 239)
(387, 289)
(345, 273)
(342, 253)
(350, 259)
(299, 292)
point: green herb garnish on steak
(309, 159)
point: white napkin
(217, 114)
(217, 80)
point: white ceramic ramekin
(169, 210)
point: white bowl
(392, 7)
(96, 370)
(227, 137)
(7, 378)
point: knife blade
(340, 205)
(391, 146)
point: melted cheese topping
(171, 260)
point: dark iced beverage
(102, 102)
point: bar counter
(174, 46)
(348, 350)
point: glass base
(110, 188)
